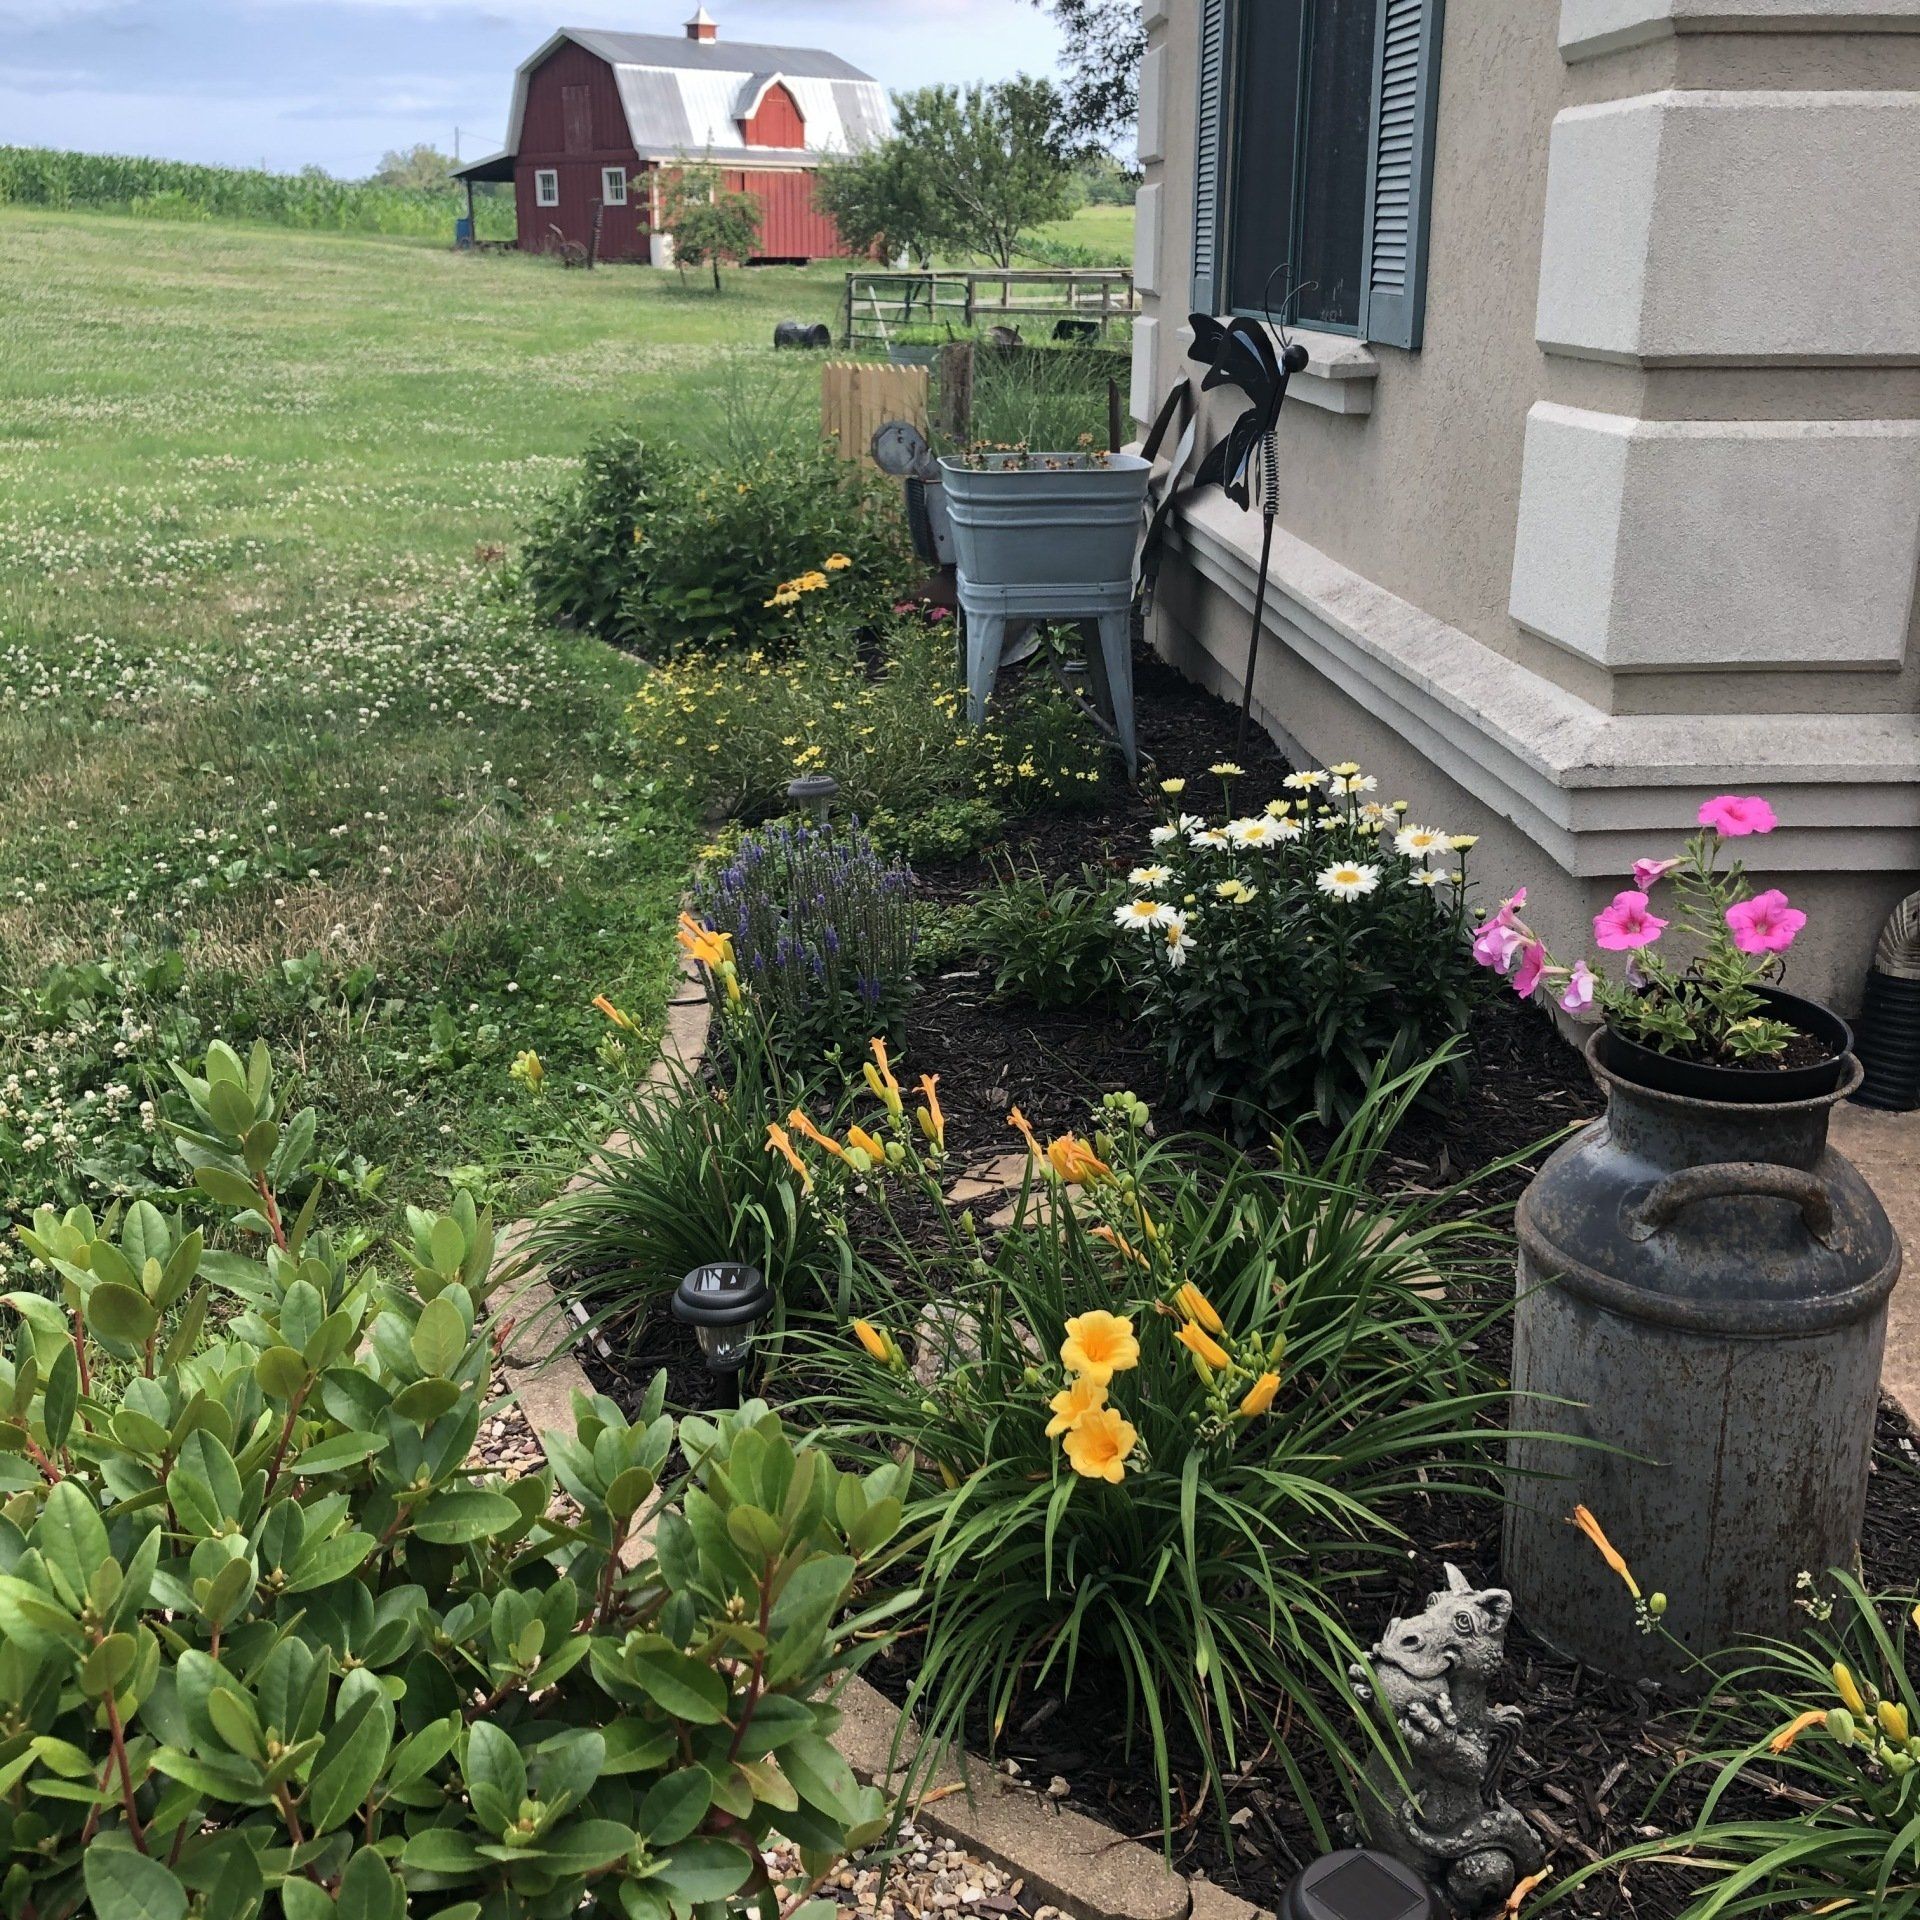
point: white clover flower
(1142, 913)
(1346, 881)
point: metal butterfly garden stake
(1241, 354)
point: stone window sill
(1340, 372)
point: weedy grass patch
(279, 760)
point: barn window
(546, 187)
(613, 186)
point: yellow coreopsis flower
(1099, 1345)
(1259, 1396)
(1196, 1306)
(1197, 1340)
(1073, 1403)
(1097, 1448)
(1608, 1552)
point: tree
(710, 222)
(991, 157)
(884, 199)
(421, 167)
(1102, 42)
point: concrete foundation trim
(1721, 543)
(1586, 786)
(1142, 401)
(1590, 28)
(1704, 227)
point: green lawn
(277, 757)
(1106, 231)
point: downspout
(1888, 1035)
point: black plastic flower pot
(1762, 1085)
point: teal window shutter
(1210, 160)
(1406, 90)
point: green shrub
(821, 930)
(1284, 957)
(938, 833)
(1815, 1770)
(1290, 1356)
(730, 734)
(1050, 941)
(271, 1643)
(658, 553)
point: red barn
(597, 116)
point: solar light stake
(1357, 1885)
(815, 790)
(724, 1302)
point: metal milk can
(1703, 1291)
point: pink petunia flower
(1577, 995)
(1533, 963)
(1646, 872)
(1496, 946)
(937, 614)
(1732, 817)
(1764, 924)
(1627, 924)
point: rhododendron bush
(1698, 945)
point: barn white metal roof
(685, 98)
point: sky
(336, 83)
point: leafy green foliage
(940, 832)
(271, 1645)
(420, 203)
(1193, 1570)
(1050, 941)
(1823, 1728)
(1298, 951)
(658, 553)
(710, 221)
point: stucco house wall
(1640, 518)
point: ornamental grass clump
(1286, 953)
(1162, 1424)
(819, 929)
(1705, 1005)
(271, 1644)
(1810, 1750)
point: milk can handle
(1731, 1179)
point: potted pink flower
(1696, 1007)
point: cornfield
(178, 190)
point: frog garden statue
(1446, 1819)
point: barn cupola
(702, 26)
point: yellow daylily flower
(801, 1125)
(1794, 1728)
(1608, 1552)
(781, 1142)
(1197, 1340)
(1075, 1162)
(879, 1076)
(1099, 1345)
(933, 1123)
(875, 1150)
(1259, 1396)
(1072, 1404)
(1196, 1306)
(1098, 1447)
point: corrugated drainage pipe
(1887, 1034)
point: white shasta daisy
(1346, 881)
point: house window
(613, 186)
(1315, 151)
(546, 187)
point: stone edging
(1064, 1857)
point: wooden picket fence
(858, 397)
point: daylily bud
(1657, 1606)
(1845, 1686)
(1893, 1721)
(1840, 1725)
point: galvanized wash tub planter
(1071, 519)
(1703, 1293)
